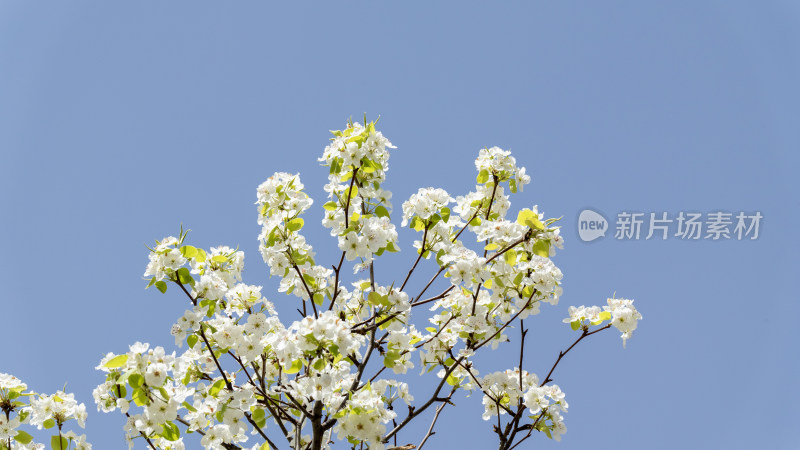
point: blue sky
(121, 120)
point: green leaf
(161, 286)
(330, 206)
(319, 364)
(453, 380)
(49, 423)
(185, 277)
(259, 419)
(376, 299)
(188, 251)
(140, 397)
(23, 437)
(59, 443)
(605, 315)
(189, 407)
(445, 214)
(353, 191)
(170, 431)
(295, 224)
(530, 219)
(191, 340)
(512, 184)
(510, 257)
(417, 224)
(575, 324)
(483, 176)
(297, 364)
(390, 359)
(492, 246)
(381, 211)
(368, 166)
(258, 414)
(336, 165)
(116, 362)
(541, 248)
(475, 222)
(219, 259)
(216, 387)
(319, 298)
(135, 380)
(264, 446)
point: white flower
(624, 316)
(156, 374)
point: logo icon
(591, 225)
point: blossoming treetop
(247, 379)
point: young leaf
(135, 380)
(541, 248)
(445, 214)
(23, 437)
(185, 277)
(295, 224)
(116, 362)
(529, 219)
(381, 211)
(297, 364)
(162, 286)
(59, 443)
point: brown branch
(414, 412)
(586, 333)
(349, 195)
(510, 246)
(477, 210)
(435, 417)
(441, 269)
(336, 270)
(428, 300)
(308, 290)
(486, 341)
(419, 257)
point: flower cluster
(376, 233)
(44, 411)
(165, 259)
(620, 312)
(281, 202)
(503, 392)
(501, 166)
(359, 208)
(426, 203)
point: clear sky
(121, 120)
